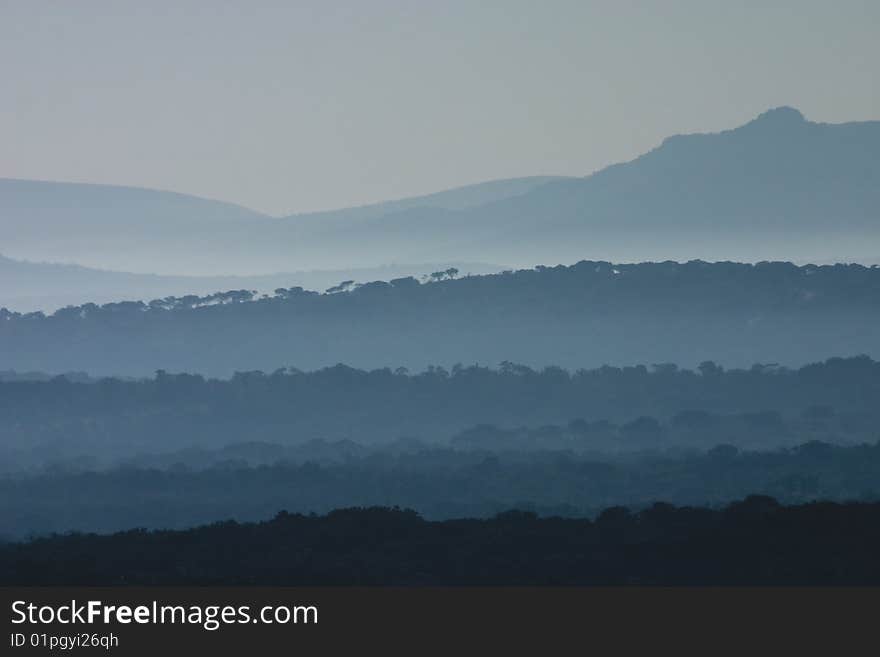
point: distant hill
(30, 286)
(110, 227)
(777, 188)
(459, 198)
(141, 230)
(586, 315)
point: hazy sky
(293, 106)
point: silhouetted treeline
(579, 316)
(661, 406)
(755, 541)
(440, 483)
(11, 376)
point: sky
(297, 106)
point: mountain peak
(779, 116)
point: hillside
(32, 286)
(586, 315)
(755, 541)
(122, 228)
(439, 482)
(148, 231)
(460, 198)
(185, 419)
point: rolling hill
(148, 231)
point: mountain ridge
(779, 187)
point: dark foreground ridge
(439, 483)
(756, 541)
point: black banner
(151, 621)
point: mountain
(141, 230)
(777, 188)
(585, 315)
(30, 286)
